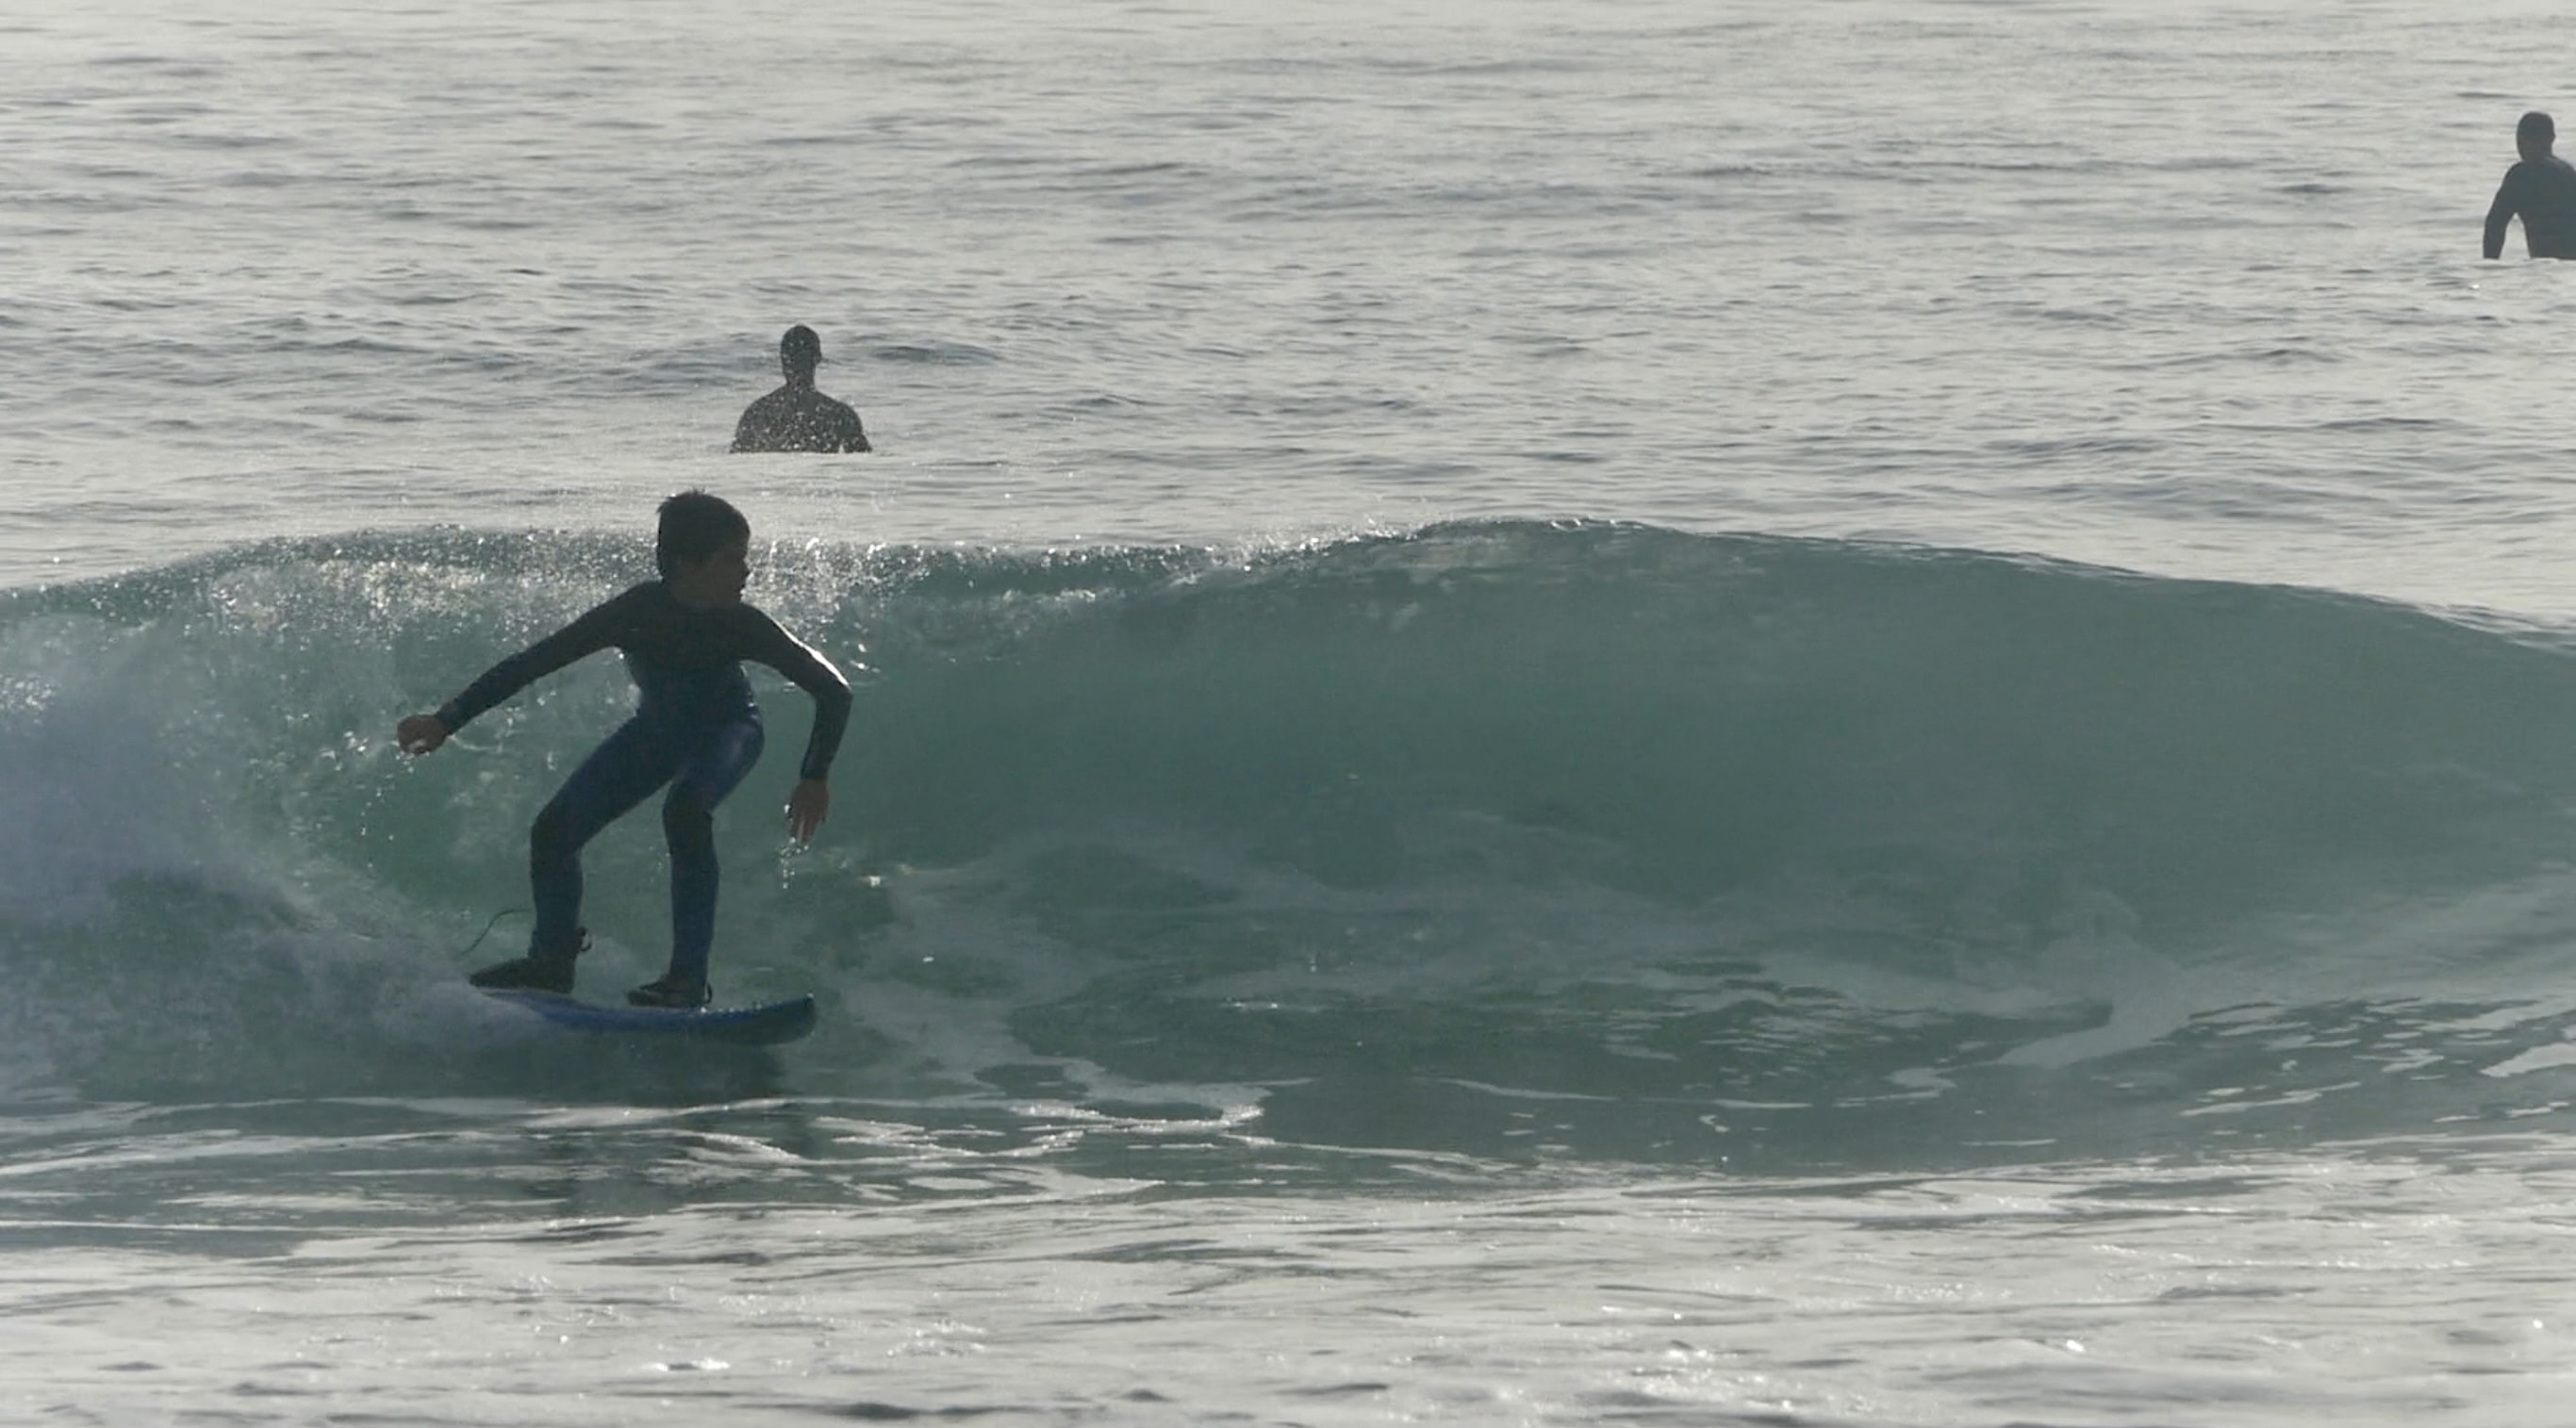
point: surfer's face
(716, 580)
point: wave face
(1510, 838)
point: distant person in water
(695, 729)
(2541, 190)
(796, 417)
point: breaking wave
(1517, 838)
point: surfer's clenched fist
(421, 733)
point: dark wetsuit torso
(795, 418)
(686, 661)
(2543, 193)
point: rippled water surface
(1580, 713)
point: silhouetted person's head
(799, 351)
(2535, 134)
(694, 526)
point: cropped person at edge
(2541, 190)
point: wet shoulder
(772, 405)
(2550, 173)
(625, 609)
(750, 625)
(650, 615)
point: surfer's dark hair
(695, 525)
(2536, 125)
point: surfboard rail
(763, 1024)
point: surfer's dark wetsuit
(696, 727)
(2543, 192)
(798, 418)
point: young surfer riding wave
(696, 728)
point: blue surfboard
(764, 1025)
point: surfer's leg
(688, 824)
(618, 775)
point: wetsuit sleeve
(817, 676)
(596, 630)
(854, 436)
(2508, 200)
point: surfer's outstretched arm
(594, 631)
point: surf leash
(487, 929)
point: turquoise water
(1567, 715)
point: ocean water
(1608, 712)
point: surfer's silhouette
(696, 730)
(796, 417)
(2541, 190)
